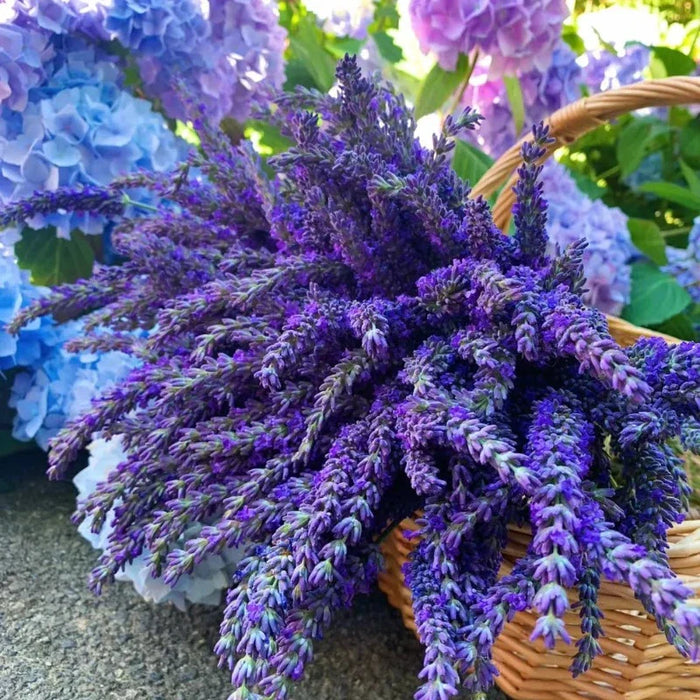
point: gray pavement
(59, 642)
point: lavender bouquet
(354, 340)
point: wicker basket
(637, 662)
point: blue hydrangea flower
(55, 385)
(573, 215)
(10, 302)
(684, 265)
(226, 54)
(80, 127)
(649, 170)
(59, 385)
(60, 16)
(37, 339)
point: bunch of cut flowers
(350, 340)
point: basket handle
(576, 119)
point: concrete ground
(59, 642)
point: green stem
(465, 82)
(697, 31)
(607, 173)
(128, 202)
(675, 231)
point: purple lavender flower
(517, 35)
(348, 341)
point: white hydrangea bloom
(209, 578)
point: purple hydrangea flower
(23, 55)
(225, 54)
(517, 35)
(546, 91)
(604, 70)
(543, 93)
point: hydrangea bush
(351, 341)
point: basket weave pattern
(637, 661)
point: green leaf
(689, 139)
(666, 62)
(679, 326)
(438, 85)
(307, 45)
(635, 140)
(655, 296)
(386, 16)
(515, 100)
(673, 193)
(584, 183)
(339, 46)
(387, 48)
(469, 162)
(53, 260)
(571, 37)
(647, 236)
(691, 177)
(266, 138)
(296, 73)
